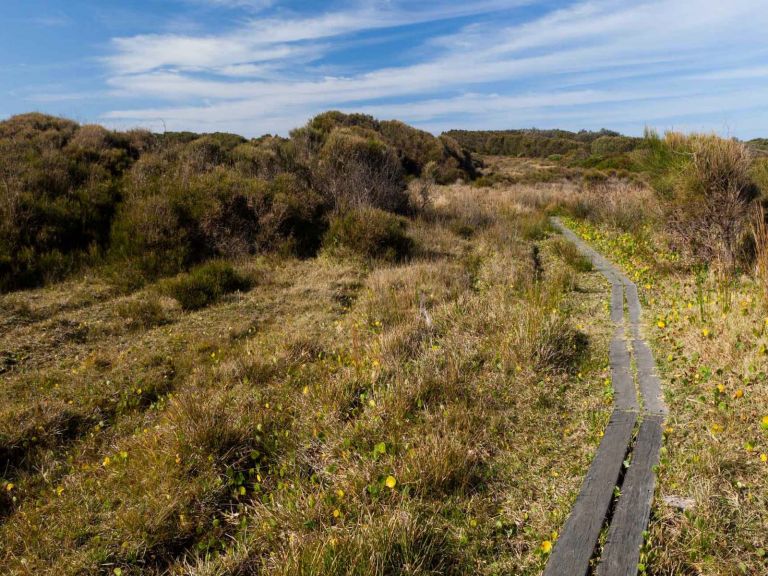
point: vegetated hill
(150, 205)
(330, 415)
(588, 149)
(377, 409)
(535, 143)
(759, 145)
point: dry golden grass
(338, 417)
(715, 372)
(710, 340)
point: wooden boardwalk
(641, 406)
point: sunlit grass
(333, 418)
(712, 355)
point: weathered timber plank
(573, 550)
(624, 393)
(617, 303)
(647, 378)
(625, 536)
(633, 302)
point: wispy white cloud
(252, 4)
(273, 38)
(735, 73)
(642, 58)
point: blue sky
(266, 66)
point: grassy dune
(336, 415)
(708, 326)
(351, 366)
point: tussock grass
(204, 285)
(338, 419)
(706, 188)
(143, 313)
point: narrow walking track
(596, 507)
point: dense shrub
(156, 234)
(603, 149)
(456, 162)
(168, 224)
(292, 218)
(418, 150)
(612, 145)
(354, 169)
(268, 157)
(204, 285)
(371, 233)
(414, 148)
(706, 188)
(154, 205)
(60, 187)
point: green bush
(355, 168)
(143, 206)
(204, 285)
(414, 149)
(143, 313)
(613, 145)
(167, 224)
(706, 187)
(371, 233)
(60, 189)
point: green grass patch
(204, 285)
(371, 233)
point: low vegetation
(330, 418)
(694, 241)
(333, 353)
(603, 150)
(204, 285)
(142, 206)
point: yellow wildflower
(390, 482)
(546, 546)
